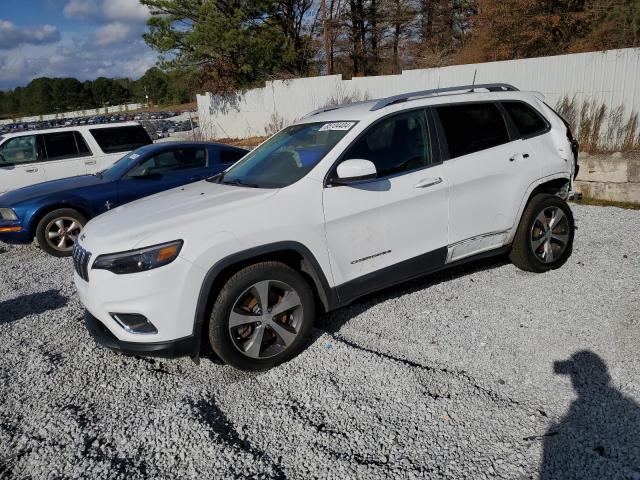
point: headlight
(8, 214)
(139, 260)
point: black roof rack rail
(403, 97)
(334, 107)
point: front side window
(60, 145)
(121, 139)
(19, 150)
(471, 127)
(396, 144)
(527, 120)
(287, 156)
(171, 161)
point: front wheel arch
(292, 254)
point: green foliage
(231, 44)
(52, 95)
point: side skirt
(422, 265)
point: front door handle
(428, 182)
(90, 162)
(31, 169)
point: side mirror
(354, 170)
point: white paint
(609, 77)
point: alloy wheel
(265, 319)
(61, 233)
(550, 234)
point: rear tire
(248, 336)
(544, 238)
(58, 231)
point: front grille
(81, 261)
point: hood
(48, 188)
(192, 210)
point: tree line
(224, 45)
(229, 44)
(52, 95)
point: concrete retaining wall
(610, 177)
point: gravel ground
(449, 377)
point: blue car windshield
(287, 156)
(122, 166)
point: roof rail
(403, 97)
(333, 107)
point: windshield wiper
(240, 183)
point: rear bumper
(175, 348)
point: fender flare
(310, 266)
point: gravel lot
(448, 377)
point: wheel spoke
(60, 223)
(283, 332)
(561, 238)
(542, 220)
(237, 319)
(535, 244)
(558, 216)
(290, 301)
(548, 252)
(74, 226)
(63, 242)
(254, 344)
(262, 294)
(51, 234)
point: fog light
(134, 323)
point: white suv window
(471, 127)
(396, 144)
(19, 150)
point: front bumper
(175, 348)
(166, 296)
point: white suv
(347, 201)
(36, 156)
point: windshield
(122, 166)
(287, 156)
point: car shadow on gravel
(32, 304)
(599, 435)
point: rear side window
(62, 145)
(121, 139)
(395, 144)
(231, 156)
(527, 120)
(472, 127)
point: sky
(84, 39)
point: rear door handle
(428, 182)
(31, 169)
(90, 162)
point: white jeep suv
(349, 200)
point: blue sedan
(55, 212)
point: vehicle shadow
(32, 304)
(599, 437)
(334, 321)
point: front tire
(544, 239)
(262, 316)
(58, 231)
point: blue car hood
(48, 188)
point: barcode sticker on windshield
(337, 126)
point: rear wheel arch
(292, 254)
